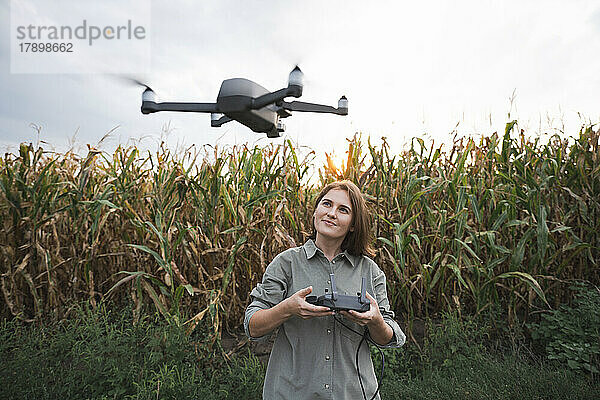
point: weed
(99, 354)
(570, 335)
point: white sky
(408, 69)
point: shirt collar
(311, 249)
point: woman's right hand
(264, 321)
(297, 305)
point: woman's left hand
(367, 318)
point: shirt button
(326, 386)
(333, 262)
(329, 282)
(329, 331)
(327, 358)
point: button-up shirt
(315, 358)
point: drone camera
(280, 126)
(273, 133)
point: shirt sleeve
(270, 292)
(379, 286)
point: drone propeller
(148, 94)
(138, 82)
(131, 81)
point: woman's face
(333, 216)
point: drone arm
(152, 107)
(312, 107)
(274, 97)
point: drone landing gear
(216, 120)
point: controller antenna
(363, 291)
(333, 288)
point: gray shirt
(315, 358)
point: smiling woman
(315, 350)
(333, 216)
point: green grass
(489, 378)
(459, 359)
(101, 355)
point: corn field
(507, 223)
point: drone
(250, 104)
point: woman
(314, 354)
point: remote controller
(337, 301)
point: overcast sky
(407, 68)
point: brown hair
(358, 241)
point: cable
(358, 371)
(365, 337)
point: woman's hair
(357, 241)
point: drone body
(250, 104)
